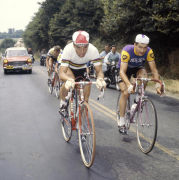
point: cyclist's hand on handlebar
(130, 89)
(158, 89)
(70, 83)
(100, 83)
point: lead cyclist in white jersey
(73, 64)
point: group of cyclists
(78, 52)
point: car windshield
(11, 53)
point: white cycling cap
(80, 38)
(140, 38)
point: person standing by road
(109, 58)
(103, 54)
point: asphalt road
(32, 145)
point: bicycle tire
(127, 111)
(146, 125)
(57, 89)
(67, 126)
(87, 136)
(50, 87)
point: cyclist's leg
(123, 102)
(142, 73)
(63, 90)
(87, 90)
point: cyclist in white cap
(73, 65)
(131, 62)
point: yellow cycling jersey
(130, 56)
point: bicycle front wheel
(66, 125)
(50, 87)
(57, 89)
(86, 134)
(146, 125)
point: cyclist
(74, 58)
(131, 62)
(52, 57)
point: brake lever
(102, 94)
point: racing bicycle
(79, 117)
(54, 82)
(146, 115)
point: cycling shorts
(80, 74)
(55, 59)
(130, 72)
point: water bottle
(133, 108)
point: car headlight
(5, 61)
(29, 60)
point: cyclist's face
(81, 50)
(140, 48)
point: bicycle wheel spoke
(146, 126)
(66, 126)
(87, 140)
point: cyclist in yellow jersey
(131, 62)
(52, 57)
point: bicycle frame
(140, 89)
(75, 113)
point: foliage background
(110, 22)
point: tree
(158, 19)
(7, 43)
(36, 33)
(76, 15)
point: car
(17, 59)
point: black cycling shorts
(55, 59)
(130, 72)
(80, 74)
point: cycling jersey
(72, 60)
(59, 58)
(130, 56)
(51, 53)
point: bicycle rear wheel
(57, 89)
(146, 125)
(127, 111)
(66, 125)
(87, 135)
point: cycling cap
(80, 38)
(140, 38)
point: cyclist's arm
(56, 67)
(62, 73)
(47, 62)
(99, 71)
(154, 71)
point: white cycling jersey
(72, 60)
